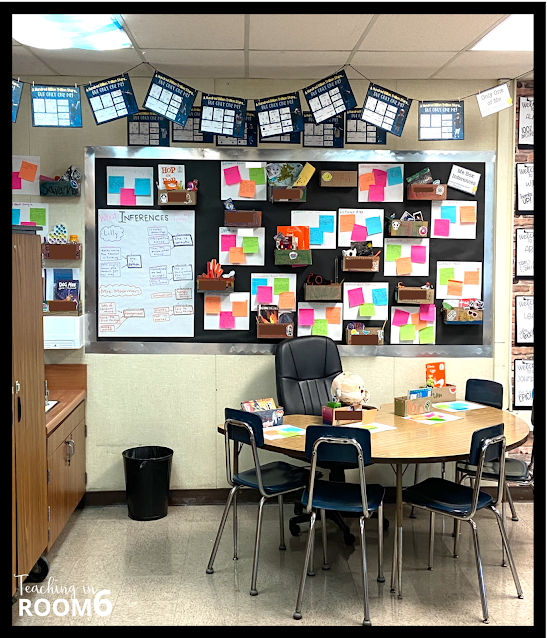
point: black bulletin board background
(210, 215)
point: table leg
(399, 502)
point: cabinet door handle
(71, 449)
(19, 410)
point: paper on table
(365, 181)
(212, 305)
(239, 308)
(427, 312)
(471, 277)
(28, 171)
(380, 177)
(236, 255)
(286, 301)
(358, 233)
(127, 197)
(232, 175)
(227, 321)
(418, 254)
(355, 297)
(432, 417)
(320, 327)
(306, 316)
(458, 406)
(375, 193)
(282, 432)
(441, 227)
(346, 223)
(264, 294)
(333, 315)
(400, 317)
(403, 266)
(444, 275)
(281, 284)
(374, 427)
(407, 332)
(454, 288)
(247, 188)
(227, 242)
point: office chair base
(381, 580)
(209, 571)
(297, 616)
(253, 592)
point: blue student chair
(461, 503)
(346, 445)
(271, 480)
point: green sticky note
(427, 335)
(38, 215)
(281, 284)
(444, 275)
(366, 310)
(320, 327)
(442, 406)
(250, 244)
(393, 252)
(257, 176)
(407, 332)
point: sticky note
(355, 297)
(449, 212)
(236, 255)
(326, 223)
(142, 186)
(239, 308)
(127, 197)
(444, 275)
(15, 215)
(15, 181)
(212, 305)
(250, 244)
(427, 335)
(418, 254)
(257, 282)
(394, 176)
(415, 319)
(379, 296)
(264, 294)
(305, 175)
(115, 182)
(454, 288)
(316, 236)
(376, 194)
(471, 277)
(403, 266)
(28, 223)
(346, 223)
(286, 301)
(38, 215)
(441, 227)
(427, 312)
(281, 284)
(407, 332)
(393, 252)
(358, 233)
(468, 214)
(28, 171)
(257, 176)
(333, 315)
(246, 188)
(380, 177)
(366, 310)
(306, 316)
(400, 317)
(227, 242)
(227, 321)
(365, 181)
(231, 175)
(320, 327)
(374, 225)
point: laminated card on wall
(330, 96)
(280, 115)
(523, 383)
(524, 321)
(147, 129)
(16, 90)
(526, 122)
(386, 109)
(170, 98)
(463, 179)
(56, 106)
(249, 136)
(329, 133)
(494, 100)
(223, 115)
(190, 131)
(525, 189)
(111, 99)
(381, 183)
(524, 260)
(360, 132)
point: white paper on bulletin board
(146, 274)
(268, 279)
(232, 190)
(334, 330)
(457, 229)
(418, 269)
(395, 335)
(392, 191)
(469, 291)
(361, 216)
(213, 321)
(137, 182)
(524, 383)
(26, 212)
(380, 309)
(322, 224)
(21, 186)
(251, 259)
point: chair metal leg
(325, 565)
(508, 551)
(514, 516)
(479, 571)
(381, 578)
(503, 518)
(443, 476)
(234, 510)
(254, 591)
(234, 489)
(416, 470)
(457, 524)
(459, 476)
(281, 524)
(311, 570)
(431, 538)
(394, 561)
(298, 611)
(366, 620)
(399, 563)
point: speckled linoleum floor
(155, 572)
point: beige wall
(147, 399)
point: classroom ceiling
(267, 46)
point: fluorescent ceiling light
(516, 33)
(56, 31)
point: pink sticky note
(441, 227)
(264, 294)
(376, 194)
(355, 297)
(358, 233)
(227, 320)
(128, 197)
(306, 316)
(28, 224)
(427, 312)
(15, 181)
(231, 175)
(418, 254)
(380, 177)
(400, 317)
(227, 242)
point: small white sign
(494, 100)
(526, 121)
(524, 383)
(462, 179)
(524, 320)
(525, 187)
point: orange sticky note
(346, 223)
(471, 277)
(333, 315)
(468, 214)
(239, 308)
(212, 305)
(236, 255)
(28, 171)
(415, 319)
(403, 266)
(454, 288)
(247, 188)
(366, 180)
(286, 301)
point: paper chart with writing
(459, 280)
(278, 289)
(329, 133)
(366, 301)
(413, 324)
(320, 318)
(405, 257)
(37, 213)
(226, 312)
(361, 224)
(25, 175)
(524, 320)
(190, 131)
(526, 122)
(525, 188)
(451, 219)
(254, 186)
(381, 183)
(524, 259)
(322, 224)
(129, 186)
(524, 383)
(146, 273)
(241, 246)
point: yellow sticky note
(28, 171)
(468, 214)
(212, 305)
(366, 180)
(247, 188)
(286, 301)
(403, 266)
(305, 175)
(471, 277)
(236, 255)
(454, 288)
(333, 315)
(239, 308)
(346, 223)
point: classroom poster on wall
(459, 280)
(413, 324)
(451, 219)
(524, 258)
(223, 115)
(146, 275)
(405, 257)
(360, 132)
(147, 129)
(226, 312)
(279, 115)
(361, 224)
(386, 109)
(526, 122)
(16, 90)
(381, 183)
(288, 138)
(249, 137)
(440, 120)
(523, 383)
(241, 249)
(330, 133)
(170, 98)
(463, 179)
(111, 99)
(129, 186)
(320, 319)
(525, 189)
(25, 175)
(330, 96)
(190, 131)
(494, 100)
(171, 176)
(322, 224)
(365, 300)
(56, 106)
(278, 289)
(26, 212)
(243, 181)
(524, 320)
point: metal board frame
(282, 155)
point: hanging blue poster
(223, 115)
(16, 90)
(330, 96)
(440, 120)
(249, 137)
(56, 106)
(279, 115)
(111, 99)
(359, 132)
(170, 98)
(190, 131)
(386, 109)
(147, 129)
(329, 133)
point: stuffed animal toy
(349, 389)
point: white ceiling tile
(295, 64)
(198, 64)
(398, 66)
(24, 63)
(426, 32)
(478, 65)
(187, 30)
(83, 62)
(306, 32)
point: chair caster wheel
(209, 570)
(504, 564)
(456, 555)
(294, 530)
(297, 616)
(430, 569)
(39, 572)
(516, 518)
(521, 596)
(380, 580)
(349, 539)
(412, 516)
(399, 597)
(367, 623)
(486, 621)
(253, 592)
(298, 509)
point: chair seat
(343, 497)
(444, 496)
(515, 469)
(276, 477)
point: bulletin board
(205, 165)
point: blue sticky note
(374, 225)
(326, 223)
(449, 212)
(115, 182)
(379, 296)
(394, 176)
(15, 215)
(258, 282)
(142, 186)
(316, 236)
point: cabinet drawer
(65, 428)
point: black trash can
(147, 472)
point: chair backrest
(241, 434)
(304, 370)
(484, 391)
(493, 452)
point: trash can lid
(148, 453)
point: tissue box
(409, 407)
(343, 416)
